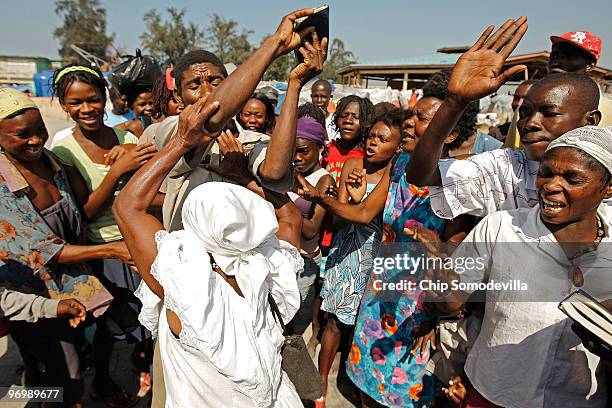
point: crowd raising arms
(391, 186)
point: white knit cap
(594, 141)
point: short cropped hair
(195, 57)
(584, 88)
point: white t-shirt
(526, 354)
(502, 179)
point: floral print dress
(28, 245)
(349, 266)
(380, 363)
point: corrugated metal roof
(432, 59)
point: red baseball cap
(583, 39)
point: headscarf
(594, 141)
(12, 101)
(237, 227)
(308, 128)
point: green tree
(222, 38)
(84, 25)
(168, 40)
(337, 57)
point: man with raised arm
(502, 179)
(200, 74)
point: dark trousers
(52, 343)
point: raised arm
(233, 92)
(281, 149)
(137, 226)
(477, 73)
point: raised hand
(72, 309)
(134, 158)
(289, 39)
(356, 184)
(478, 72)
(191, 132)
(314, 55)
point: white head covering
(238, 336)
(229, 220)
(594, 141)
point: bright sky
(373, 30)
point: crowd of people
(193, 222)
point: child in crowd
(353, 119)
(164, 101)
(97, 158)
(140, 99)
(120, 111)
(349, 263)
(310, 145)
(321, 97)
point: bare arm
(139, 227)
(312, 226)
(98, 199)
(233, 92)
(422, 168)
(280, 152)
(361, 213)
(347, 169)
(83, 253)
(477, 73)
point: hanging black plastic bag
(139, 70)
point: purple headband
(309, 129)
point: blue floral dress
(380, 363)
(349, 266)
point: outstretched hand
(191, 132)
(289, 39)
(314, 55)
(478, 72)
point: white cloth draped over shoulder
(228, 351)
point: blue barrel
(42, 83)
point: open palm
(478, 72)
